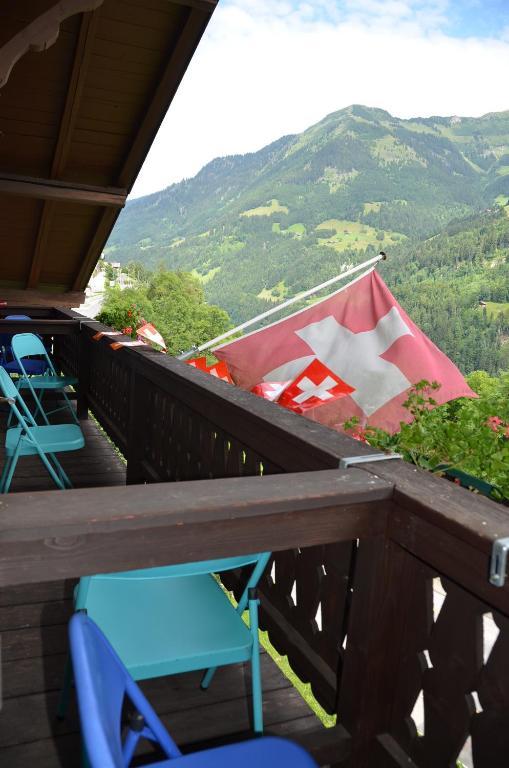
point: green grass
(390, 150)
(273, 206)
(205, 277)
(303, 688)
(354, 234)
(368, 207)
(277, 293)
(283, 664)
(494, 308)
(296, 230)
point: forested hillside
(258, 228)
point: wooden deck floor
(33, 627)
(97, 464)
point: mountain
(257, 228)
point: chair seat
(32, 367)
(48, 382)
(51, 439)
(269, 752)
(162, 626)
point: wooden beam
(161, 99)
(51, 189)
(74, 91)
(98, 242)
(50, 534)
(21, 298)
(41, 33)
(168, 83)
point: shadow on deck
(33, 626)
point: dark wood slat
(465, 563)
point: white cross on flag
(270, 390)
(365, 338)
(315, 386)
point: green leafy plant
(467, 436)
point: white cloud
(270, 67)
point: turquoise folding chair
(26, 345)
(28, 439)
(176, 618)
(103, 685)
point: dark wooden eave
(84, 88)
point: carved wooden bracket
(41, 33)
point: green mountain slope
(260, 227)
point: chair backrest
(259, 561)
(16, 402)
(6, 338)
(102, 683)
(28, 344)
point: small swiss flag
(220, 371)
(198, 362)
(270, 390)
(316, 385)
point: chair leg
(69, 405)
(10, 472)
(59, 468)
(207, 678)
(58, 482)
(256, 680)
(4, 472)
(38, 406)
(65, 692)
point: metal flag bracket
(498, 565)
(350, 461)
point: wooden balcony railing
(349, 598)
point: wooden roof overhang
(84, 86)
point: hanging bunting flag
(100, 334)
(365, 338)
(198, 362)
(148, 332)
(220, 371)
(270, 390)
(315, 386)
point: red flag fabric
(315, 386)
(148, 332)
(270, 390)
(365, 338)
(198, 362)
(220, 370)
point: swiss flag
(365, 338)
(147, 332)
(315, 386)
(220, 370)
(198, 362)
(270, 390)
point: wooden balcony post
(82, 404)
(134, 432)
(379, 614)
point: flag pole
(186, 355)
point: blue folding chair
(34, 367)
(103, 684)
(176, 618)
(28, 439)
(26, 345)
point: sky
(268, 68)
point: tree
(174, 302)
